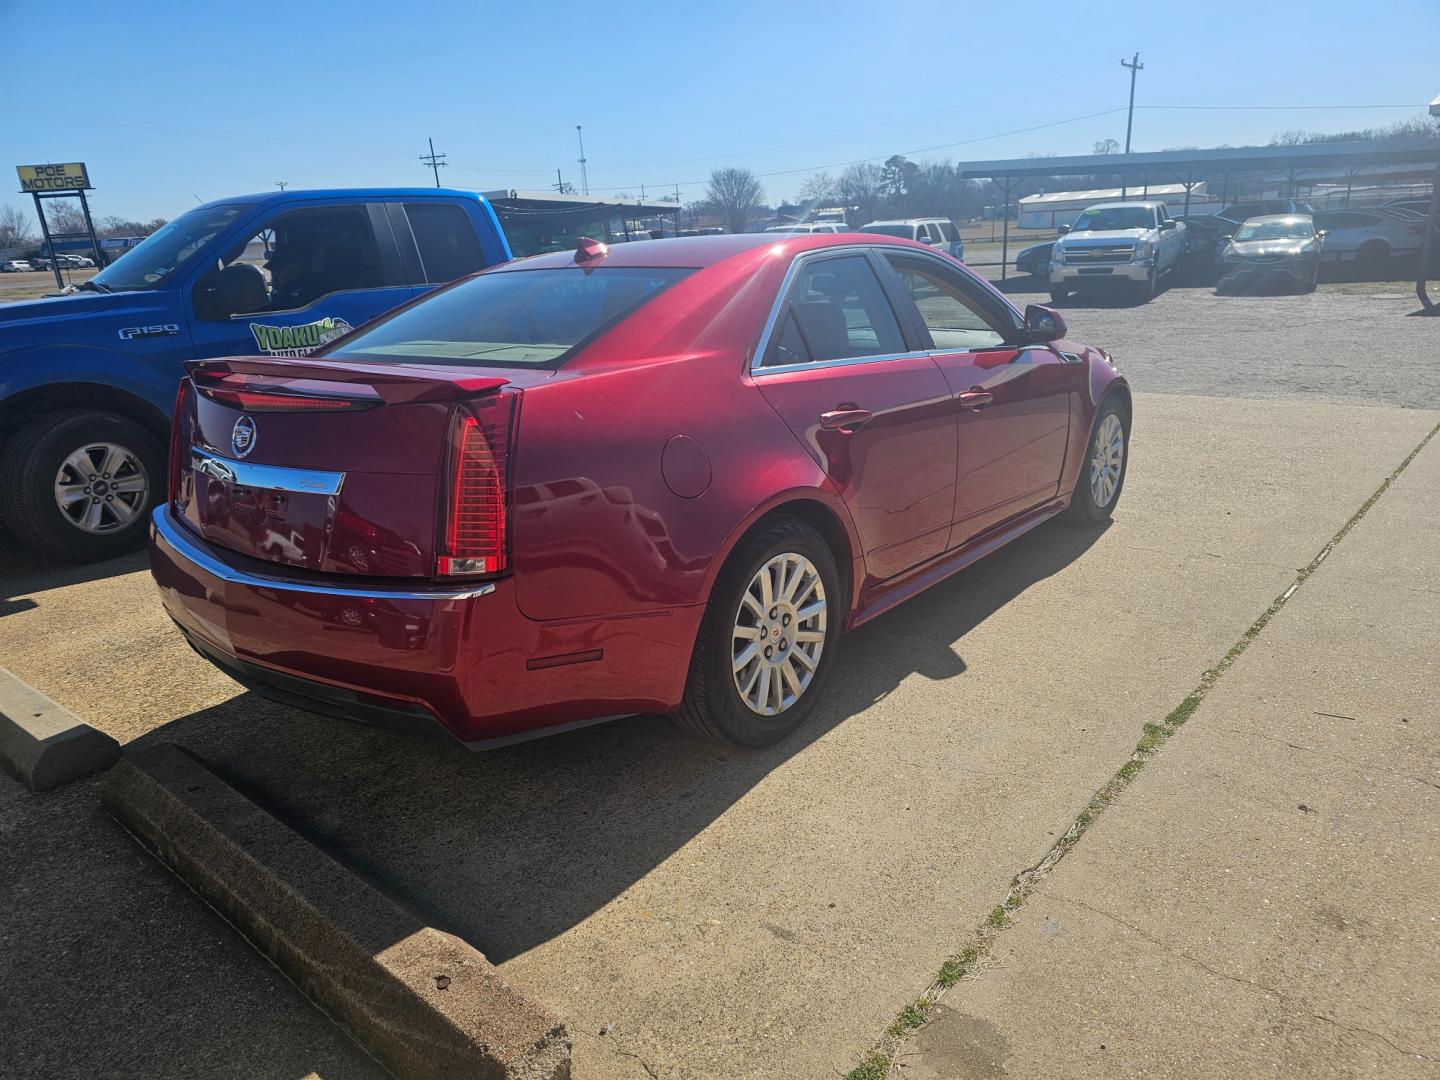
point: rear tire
(1102, 470)
(43, 463)
(715, 704)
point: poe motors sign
(71, 176)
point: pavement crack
(1338, 757)
(1171, 949)
(1376, 1035)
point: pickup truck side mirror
(1062, 229)
(1168, 223)
(1043, 324)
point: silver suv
(937, 232)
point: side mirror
(1168, 223)
(1320, 234)
(1062, 229)
(1043, 324)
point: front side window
(151, 261)
(291, 261)
(449, 248)
(904, 232)
(953, 316)
(837, 311)
(520, 318)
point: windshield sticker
(298, 340)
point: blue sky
(173, 102)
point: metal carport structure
(1189, 167)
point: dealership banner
(71, 176)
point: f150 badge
(135, 333)
(298, 340)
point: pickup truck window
(151, 261)
(448, 245)
(291, 261)
(1103, 219)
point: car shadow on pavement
(509, 848)
(24, 573)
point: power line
(435, 161)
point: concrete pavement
(1262, 901)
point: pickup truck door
(298, 279)
(1012, 401)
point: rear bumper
(458, 661)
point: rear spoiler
(393, 383)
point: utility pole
(435, 161)
(1135, 68)
(281, 184)
(584, 178)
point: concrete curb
(423, 1002)
(44, 744)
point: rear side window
(448, 245)
(951, 233)
(521, 318)
(837, 311)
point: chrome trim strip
(818, 365)
(268, 477)
(186, 548)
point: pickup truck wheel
(81, 484)
(1102, 470)
(768, 639)
(1373, 252)
(1058, 293)
(1150, 287)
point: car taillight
(476, 533)
(182, 398)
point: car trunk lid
(336, 467)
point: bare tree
(861, 188)
(1107, 146)
(736, 196)
(15, 228)
(65, 216)
(819, 189)
(115, 225)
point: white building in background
(1063, 207)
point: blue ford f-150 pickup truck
(88, 380)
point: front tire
(1102, 471)
(768, 639)
(81, 484)
(1058, 293)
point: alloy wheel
(778, 635)
(101, 488)
(1107, 460)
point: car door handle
(844, 418)
(975, 399)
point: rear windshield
(522, 318)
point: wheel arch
(24, 406)
(822, 511)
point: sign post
(65, 181)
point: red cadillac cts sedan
(661, 477)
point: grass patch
(910, 1018)
(876, 1066)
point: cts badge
(242, 437)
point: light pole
(1135, 68)
(1432, 222)
(584, 178)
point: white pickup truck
(1138, 242)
